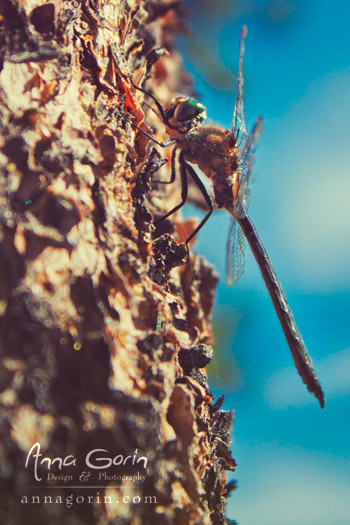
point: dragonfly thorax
(215, 152)
(212, 149)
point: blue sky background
(293, 458)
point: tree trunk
(103, 331)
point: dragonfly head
(186, 114)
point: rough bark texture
(103, 333)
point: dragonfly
(227, 158)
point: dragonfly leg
(184, 184)
(185, 169)
(162, 144)
(205, 194)
(163, 116)
(173, 170)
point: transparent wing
(246, 155)
(246, 143)
(235, 253)
(245, 163)
(239, 129)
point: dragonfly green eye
(188, 109)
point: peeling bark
(104, 332)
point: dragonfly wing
(239, 129)
(235, 253)
(246, 156)
(245, 166)
(246, 143)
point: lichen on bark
(103, 340)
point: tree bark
(104, 333)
